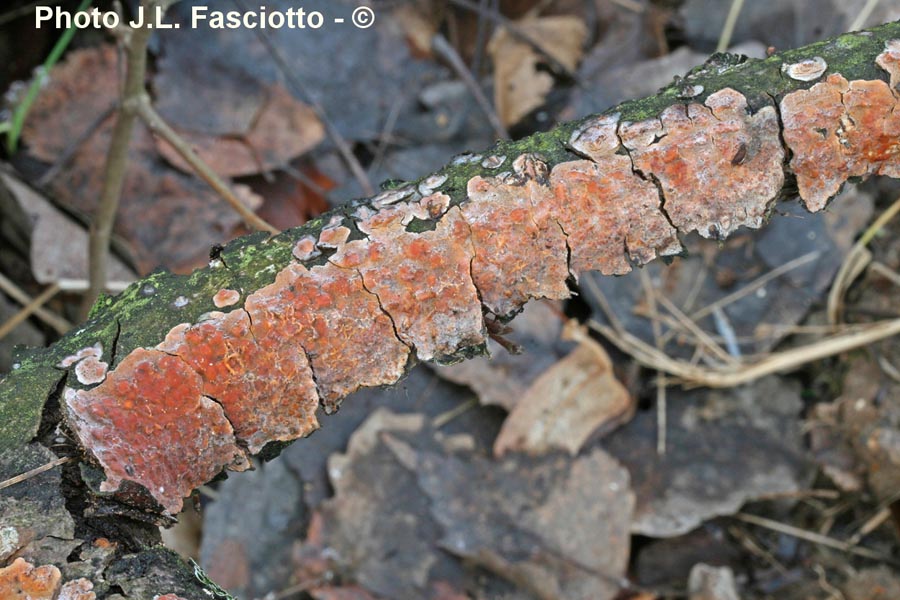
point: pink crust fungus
(262, 381)
(809, 69)
(305, 248)
(95, 351)
(333, 236)
(350, 341)
(605, 209)
(90, 370)
(520, 251)
(149, 423)
(422, 280)
(838, 129)
(889, 60)
(718, 167)
(226, 297)
(77, 589)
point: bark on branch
(180, 377)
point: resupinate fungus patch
(413, 272)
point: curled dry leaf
(566, 404)
(520, 84)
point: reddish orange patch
(838, 129)
(149, 423)
(422, 279)
(517, 256)
(264, 384)
(327, 311)
(719, 167)
(23, 581)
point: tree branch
(358, 295)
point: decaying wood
(180, 377)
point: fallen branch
(179, 377)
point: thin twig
(756, 284)
(34, 472)
(863, 15)
(728, 28)
(28, 310)
(157, 125)
(662, 425)
(59, 324)
(811, 536)
(731, 376)
(517, 32)
(342, 146)
(443, 49)
(856, 262)
(116, 161)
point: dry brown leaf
(520, 85)
(282, 129)
(566, 404)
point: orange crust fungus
(520, 250)
(327, 311)
(607, 211)
(149, 423)
(422, 280)
(23, 581)
(225, 298)
(838, 129)
(718, 167)
(263, 382)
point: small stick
(863, 15)
(34, 472)
(28, 310)
(59, 324)
(517, 32)
(811, 536)
(756, 284)
(662, 424)
(443, 49)
(730, 22)
(157, 125)
(116, 162)
(732, 376)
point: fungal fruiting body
(412, 272)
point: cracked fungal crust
(520, 250)
(718, 167)
(427, 267)
(350, 341)
(149, 422)
(609, 212)
(263, 381)
(422, 280)
(838, 129)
